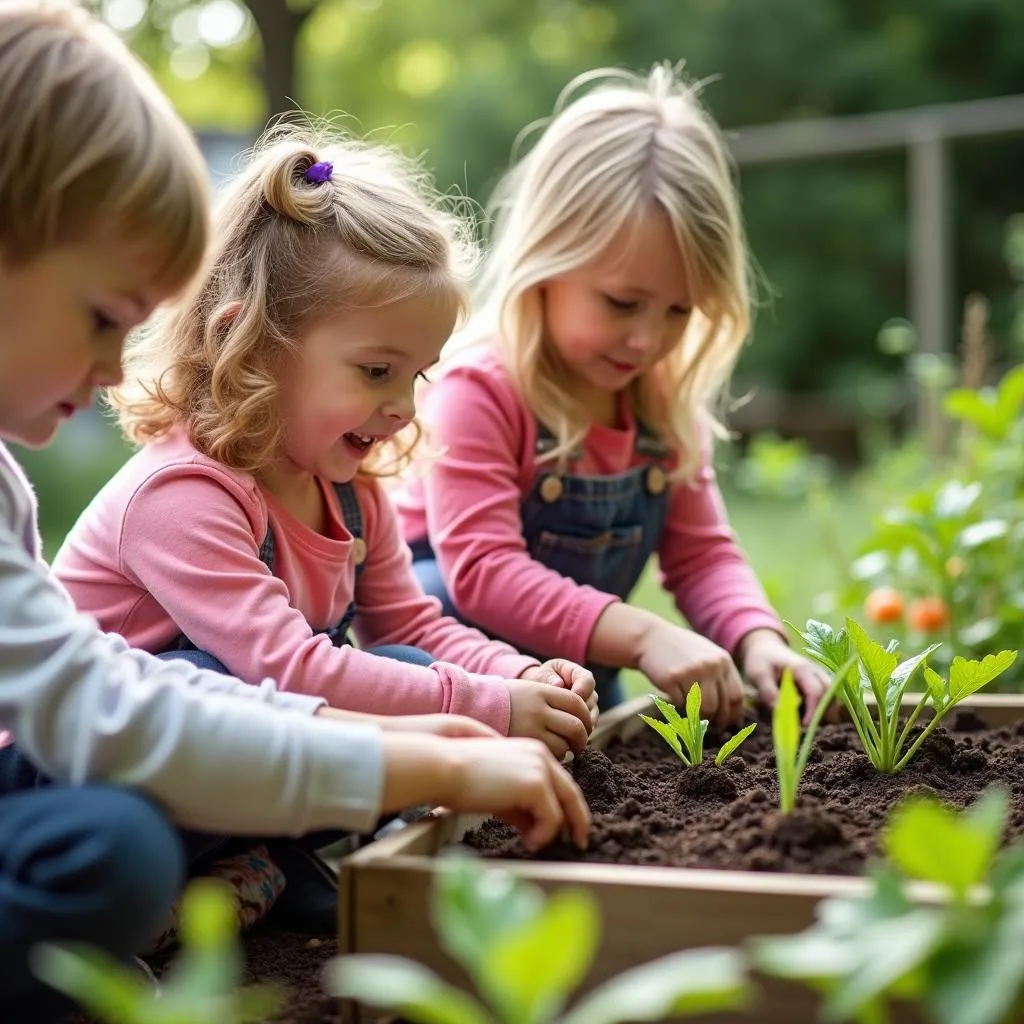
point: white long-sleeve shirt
(217, 754)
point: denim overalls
(596, 530)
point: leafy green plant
(526, 953)
(791, 752)
(880, 674)
(961, 957)
(202, 987)
(688, 733)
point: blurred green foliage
(458, 81)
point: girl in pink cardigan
(251, 531)
(574, 426)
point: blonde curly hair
(618, 145)
(287, 255)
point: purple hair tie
(320, 172)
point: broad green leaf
(406, 987)
(877, 662)
(901, 676)
(823, 644)
(668, 734)
(937, 687)
(967, 677)
(1008, 871)
(813, 955)
(94, 979)
(981, 982)
(928, 841)
(731, 745)
(670, 714)
(531, 971)
(683, 984)
(891, 950)
(474, 905)
(967, 405)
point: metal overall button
(551, 489)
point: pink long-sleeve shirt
(171, 545)
(468, 503)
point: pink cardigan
(469, 501)
(171, 545)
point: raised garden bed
(651, 811)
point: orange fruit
(928, 614)
(884, 604)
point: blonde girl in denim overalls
(573, 417)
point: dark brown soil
(650, 809)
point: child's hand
(557, 717)
(570, 676)
(764, 655)
(674, 659)
(520, 782)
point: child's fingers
(574, 806)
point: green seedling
(873, 688)
(791, 752)
(960, 958)
(686, 735)
(526, 953)
(202, 987)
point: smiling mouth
(362, 443)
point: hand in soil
(521, 783)
(558, 718)
(674, 659)
(764, 656)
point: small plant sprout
(686, 735)
(202, 986)
(960, 958)
(790, 752)
(873, 689)
(526, 953)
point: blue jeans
(92, 864)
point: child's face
(64, 318)
(617, 316)
(351, 385)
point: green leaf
(893, 949)
(668, 734)
(530, 972)
(786, 738)
(901, 676)
(937, 687)
(683, 984)
(405, 987)
(697, 727)
(670, 714)
(928, 841)
(95, 980)
(474, 906)
(732, 744)
(258, 1003)
(877, 662)
(967, 677)
(825, 645)
(967, 405)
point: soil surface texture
(650, 809)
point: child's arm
(473, 494)
(394, 610)
(189, 542)
(83, 709)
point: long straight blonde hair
(620, 144)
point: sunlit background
(871, 231)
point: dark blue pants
(92, 864)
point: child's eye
(680, 311)
(621, 305)
(376, 372)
